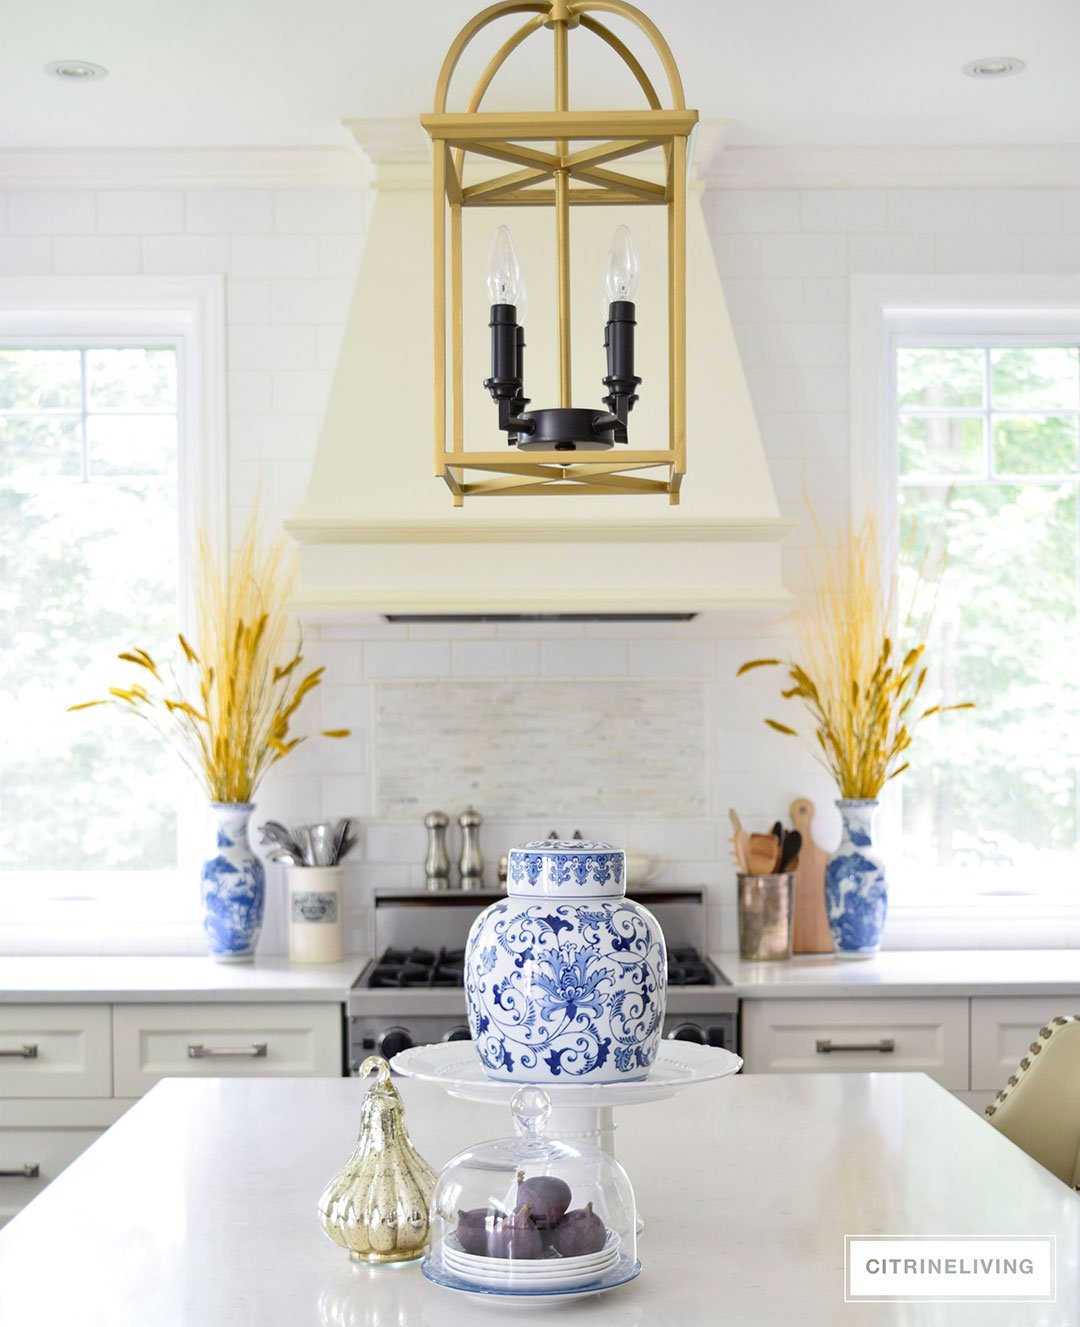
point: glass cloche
(532, 1216)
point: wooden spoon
(764, 854)
(741, 840)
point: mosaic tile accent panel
(613, 748)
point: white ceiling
(212, 73)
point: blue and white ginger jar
(233, 886)
(566, 977)
(856, 891)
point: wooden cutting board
(812, 934)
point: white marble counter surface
(197, 1209)
(907, 972)
(160, 979)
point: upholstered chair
(1039, 1108)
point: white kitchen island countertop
(159, 979)
(197, 1209)
(907, 972)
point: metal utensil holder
(766, 916)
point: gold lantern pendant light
(561, 448)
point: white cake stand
(583, 1111)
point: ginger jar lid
(568, 868)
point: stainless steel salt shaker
(437, 861)
(471, 866)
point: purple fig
(472, 1230)
(548, 1199)
(515, 1237)
(579, 1232)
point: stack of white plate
(537, 1274)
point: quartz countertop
(197, 1209)
(47, 979)
(904, 972)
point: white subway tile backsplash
(803, 255)
(250, 392)
(140, 212)
(303, 392)
(274, 256)
(495, 658)
(844, 209)
(672, 658)
(3, 212)
(263, 347)
(339, 255)
(891, 253)
(585, 658)
(1052, 253)
(739, 255)
(754, 212)
(97, 255)
(316, 301)
(1018, 211)
(407, 659)
(247, 301)
(763, 299)
(980, 253)
(1071, 213)
(930, 210)
(229, 211)
(25, 255)
(825, 298)
(185, 254)
(52, 212)
(319, 211)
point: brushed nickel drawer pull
(30, 1172)
(256, 1051)
(20, 1053)
(885, 1045)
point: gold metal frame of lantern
(562, 450)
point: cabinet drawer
(219, 1041)
(1002, 1031)
(38, 1139)
(55, 1050)
(838, 1036)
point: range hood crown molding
(376, 532)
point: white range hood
(377, 530)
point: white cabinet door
(224, 1040)
(844, 1036)
(55, 1050)
(38, 1139)
(1002, 1031)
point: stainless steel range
(413, 992)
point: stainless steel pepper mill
(471, 866)
(437, 861)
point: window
(88, 567)
(111, 453)
(965, 410)
(987, 434)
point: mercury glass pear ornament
(377, 1207)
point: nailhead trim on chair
(1045, 1033)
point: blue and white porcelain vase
(856, 891)
(566, 978)
(233, 886)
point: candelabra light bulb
(504, 281)
(621, 277)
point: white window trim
(883, 309)
(188, 312)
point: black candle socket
(566, 428)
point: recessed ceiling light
(994, 66)
(76, 71)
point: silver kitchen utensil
(471, 865)
(275, 832)
(437, 861)
(323, 843)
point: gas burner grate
(418, 968)
(686, 967)
(423, 969)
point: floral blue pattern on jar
(233, 886)
(566, 978)
(856, 891)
